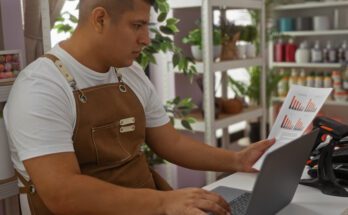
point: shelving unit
(311, 5)
(315, 33)
(8, 188)
(335, 35)
(231, 64)
(208, 67)
(308, 65)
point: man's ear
(99, 16)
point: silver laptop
(277, 181)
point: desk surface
(307, 200)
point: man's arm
(184, 151)
(64, 190)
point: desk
(307, 200)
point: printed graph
(299, 125)
(311, 107)
(287, 124)
(296, 104)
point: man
(76, 123)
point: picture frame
(11, 63)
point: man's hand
(247, 157)
(194, 201)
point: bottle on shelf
(282, 87)
(293, 78)
(302, 78)
(328, 83)
(343, 52)
(318, 80)
(290, 50)
(279, 51)
(330, 53)
(327, 80)
(316, 53)
(302, 53)
(345, 79)
(310, 82)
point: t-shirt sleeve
(155, 113)
(38, 118)
(154, 110)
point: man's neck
(80, 48)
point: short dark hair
(114, 7)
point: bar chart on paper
(287, 123)
(296, 104)
(298, 111)
(311, 107)
(299, 125)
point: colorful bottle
(302, 79)
(282, 87)
(342, 58)
(302, 53)
(316, 53)
(279, 51)
(293, 78)
(345, 79)
(290, 51)
(327, 80)
(310, 82)
(318, 80)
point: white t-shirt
(40, 113)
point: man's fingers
(211, 206)
(211, 196)
(265, 144)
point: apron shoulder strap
(28, 185)
(63, 70)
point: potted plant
(246, 44)
(194, 38)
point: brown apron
(109, 131)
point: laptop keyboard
(239, 205)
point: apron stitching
(121, 146)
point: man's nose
(145, 39)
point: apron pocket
(107, 145)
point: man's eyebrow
(142, 22)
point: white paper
(299, 109)
(6, 168)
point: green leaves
(181, 108)
(66, 23)
(162, 42)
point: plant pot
(229, 48)
(232, 106)
(198, 54)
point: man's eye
(137, 26)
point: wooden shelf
(328, 102)
(246, 4)
(8, 188)
(315, 33)
(308, 65)
(232, 64)
(312, 5)
(224, 120)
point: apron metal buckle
(122, 88)
(32, 189)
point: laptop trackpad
(228, 193)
